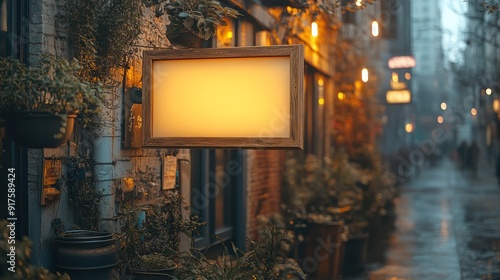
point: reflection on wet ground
(447, 228)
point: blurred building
(429, 89)
(478, 78)
(395, 41)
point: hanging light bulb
(375, 28)
(364, 75)
(314, 29)
(359, 3)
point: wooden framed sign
(249, 97)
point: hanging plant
(192, 20)
(103, 35)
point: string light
(375, 28)
(364, 75)
(314, 29)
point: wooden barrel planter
(355, 254)
(86, 254)
(323, 248)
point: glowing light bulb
(444, 106)
(488, 91)
(364, 75)
(375, 28)
(409, 127)
(314, 29)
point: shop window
(216, 185)
(314, 127)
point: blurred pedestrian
(461, 153)
(472, 157)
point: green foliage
(265, 259)
(86, 198)
(83, 193)
(199, 17)
(24, 270)
(149, 233)
(337, 187)
(53, 86)
(103, 35)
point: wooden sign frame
(152, 61)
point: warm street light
(444, 106)
(375, 28)
(395, 77)
(440, 119)
(364, 75)
(488, 91)
(341, 96)
(496, 105)
(359, 3)
(409, 127)
(473, 111)
(314, 29)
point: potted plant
(39, 104)
(265, 258)
(192, 21)
(150, 237)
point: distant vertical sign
(398, 96)
(401, 62)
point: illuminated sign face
(229, 97)
(398, 96)
(401, 62)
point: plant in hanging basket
(49, 91)
(198, 18)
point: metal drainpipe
(104, 167)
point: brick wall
(263, 186)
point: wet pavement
(447, 227)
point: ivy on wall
(102, 35)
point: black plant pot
(39, 129)
(87, 255)
(186, 40)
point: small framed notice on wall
(169, 172)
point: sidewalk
(447, 227)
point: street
(447, 227)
